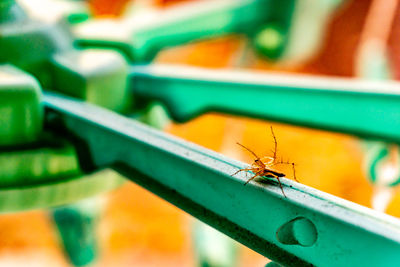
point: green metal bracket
(38, 170)
(353, 106)
(307, 227)
(46, 50)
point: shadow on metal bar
(307, 227)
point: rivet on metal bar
(299, 231)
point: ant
(261, 167)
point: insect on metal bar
(262, 167)
(199, 181)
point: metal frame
(364, 108)
(307, 227)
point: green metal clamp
(308, 227)
(39, 170)
(36, 165)
(46, 49)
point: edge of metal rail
(307, 227)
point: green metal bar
(141, 39)
(56, 193)
(363, 108)
(307, 227)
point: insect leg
(294, 173)
(252, 178)
(267, 160)
(275, 143)
(293, 167)
(248, 149)
(280, 185)
(241, 170)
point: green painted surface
(78, 17)
(270, 41)
(55, 193)
(299, 231)
(178, 26)
(353, 106)
(188, 168)
(154, 115)
(48, 160)
(304, 26)
(335, 232)
(10, 12)
(21, 111)
(277, 28)
(29, 45)
(97, 76)
(272, 37)
(46, 50)
(77, 232)
(77, 226)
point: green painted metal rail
(141, 39)
(359, 107)
(307, 227)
